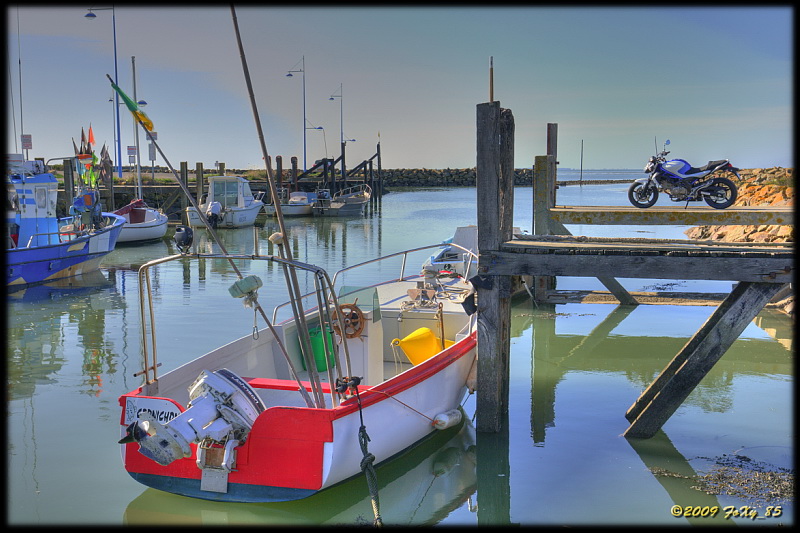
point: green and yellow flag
(138, 114)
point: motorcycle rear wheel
(722, 193)
(642, 195)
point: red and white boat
(262, 419)
(142, 223)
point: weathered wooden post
(184, 200)
(294, 174)
(69, 182)
(279, 172)
(495, 191)
(198, 173)
(379, 188)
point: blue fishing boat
(40, 247)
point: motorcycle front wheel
(721, 194)
(642, 195)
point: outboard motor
(222, 409)
(183, 238)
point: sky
(716, 81)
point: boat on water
(294, 204)
(457, 255)
(347, 202)
(40, 247)
(283, 413)
(142, 223)
(237, 205)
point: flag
(91, 135)
(83, 142)
(104, 169)
(138, 114)
(75, 146)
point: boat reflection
(419, 487)
(46, 318)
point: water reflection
(419, 487)
(42, 321)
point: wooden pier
(761, 270)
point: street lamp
(289, 75)
(341, 112)
(324, 138)
(91, 16)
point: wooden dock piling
(495, 184)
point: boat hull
(42, 264)
(154, 226)
(235, 217)
(291, 210)
(294, 452)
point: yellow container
(420, 345)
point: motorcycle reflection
(681, 181)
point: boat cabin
(229, 191)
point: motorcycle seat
(710, 166)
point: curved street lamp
(91, 16)
(289, 75)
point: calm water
(561, 460)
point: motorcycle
(681, 181)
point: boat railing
(353, 190)
(323, 291)
(340, 273)
(64, 235)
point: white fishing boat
(279, 414)
(457, 255)
(347, 202)
(238, 206)
(142, 223)
(294, 204)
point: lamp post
(136, 133)
(341, 112)
(289, 75)
(91, 16)
(324, 138)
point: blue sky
(716, 81)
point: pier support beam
(663, 397)
(495, 192)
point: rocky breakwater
(762, 187)
(448, 177)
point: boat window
(11, 199)
(246, 192)
(231, 193)
(40, 193)
(219, 191)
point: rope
(367, 462)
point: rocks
(771, 187)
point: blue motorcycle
(681, 181)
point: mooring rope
(367, 461)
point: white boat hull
(232, 217)
(153, 226)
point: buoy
(420, 345)
(447, 419)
